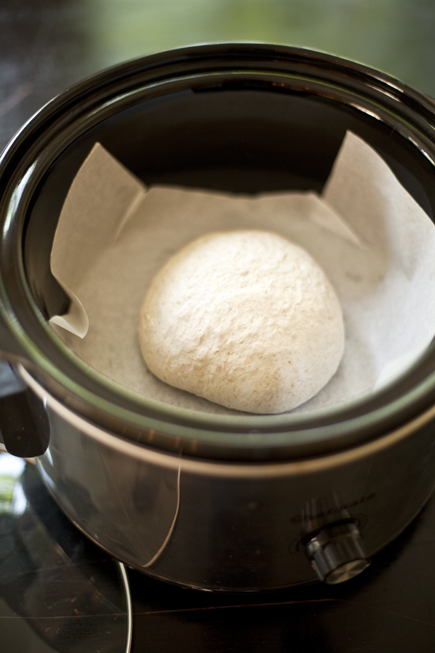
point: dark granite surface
(59, 592)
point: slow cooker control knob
(336, 553)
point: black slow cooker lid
(290, 95)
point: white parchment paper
(375, 243)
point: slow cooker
(211, 502)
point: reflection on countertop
(59, 592)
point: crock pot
(213, 502)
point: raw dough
(245, 319)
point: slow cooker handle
(24, 426)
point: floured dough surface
(245, 319)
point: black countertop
(57, 591)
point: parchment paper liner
(375, 243)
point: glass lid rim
(261, 422)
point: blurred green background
(47, 45)
(397, 36)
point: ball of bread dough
(245, 319)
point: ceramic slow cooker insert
(215, 502)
